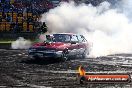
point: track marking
(3, 86)
(76, 72)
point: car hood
(55, 45)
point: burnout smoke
(21, 43)
(108, 29)
(126, 7)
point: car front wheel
(36, 57)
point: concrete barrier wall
(27, 35)
(5, 45)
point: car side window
(67, 38)
(81, 38)
(74, 38)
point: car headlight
(58, 52)
(33, 49)
(29, 51)
(52, 50)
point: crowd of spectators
(22, 15)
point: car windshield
(61, 38)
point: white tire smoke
(21, 43)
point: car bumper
(57, 54)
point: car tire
(36, 57)
(84, 55)
(64, 55)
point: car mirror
(73, 42)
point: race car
(61, 46)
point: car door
(74, 45)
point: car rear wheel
(84, 55)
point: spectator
(2, 1)
(43, 28)
(3, 15)
(8, 18)
(17, 28)
(12, 26)
(29, 19)
(0, 19)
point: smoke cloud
(126, 7)
(21, 43)
(108, 29)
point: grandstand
(20, 16)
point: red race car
(61, 46)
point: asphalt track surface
(18, 70)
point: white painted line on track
(3, 86)
(76, 72)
